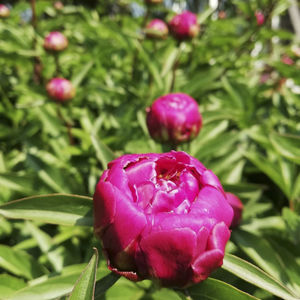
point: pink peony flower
(184, 26)
(260, 18)
(157, 29)
(174, 118)
(163, 217)
(55, 41)
(237, 207)
(60, 89)
(4, 11)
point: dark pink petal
(209, 178)
(219, 237)
(169, 255)
(141, 172)
(212, 203)
(104, 206)
(128, 224)
(206, 263)
(202, 238)
(237, 207)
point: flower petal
(169, 255)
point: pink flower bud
(260, 18)
(287, 60)
(237, 207)
(184, 26)
(157, 29)
(174, 118)
(4, 11)
(55, 41)
(163, 217)
(58, 5)
(60, 89)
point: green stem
(37, 64)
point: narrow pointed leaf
(62, 209)
(213, 289)
(85, 285)
(256, 276)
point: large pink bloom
(184, 26)
(60, 89)
(174, 118)
(55, 41)
(163, 217)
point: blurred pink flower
(4, 11)
(60, 89)
(157, 29)
(184, 26)
(174, 118)
(260, 18)
(55, 41)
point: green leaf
(20, 263)
(83, 72)
(266, 166)
(63, 209)
(103, 153)
(9, 285)
(256, 276)
(213, 289)
(287, 145)
(262, 253)
(45, 243)
(85, 286)
(292, 221)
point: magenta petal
(140, 173)
(212, 202)
(202, 238)
(209, 178)
(104, 206)
(219, 237)
(123, 233)
(206, 263)
(169, 255)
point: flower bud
(287, 60)
(60, 89)
(55, 41)
(157, 29)
(260, 18)
(237, 207)
(174, 118)
(4, 11)
(163, 217)
(58, 5)
(184, 26)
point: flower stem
(37, 64)
(67, 124)
(57, 67)
(175, 66)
